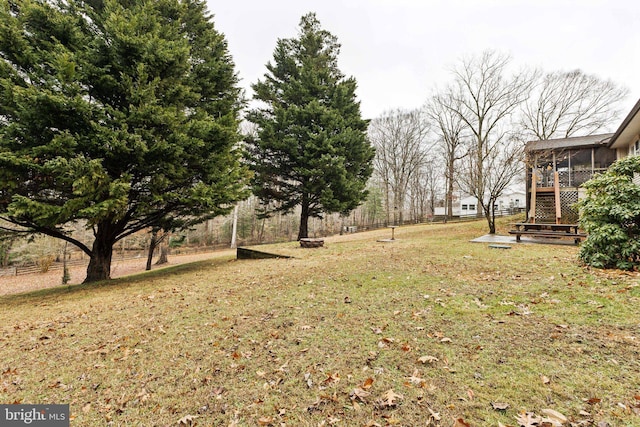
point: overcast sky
(399, 51)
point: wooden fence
(21, 270)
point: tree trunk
(65, 269)
(398, 207)
(164, 252)
(100, 259)
(432, 202)
(388, 199)
(261, 232)
(303, 232)
(492, 224)
(449, 201)
(234, 228)
(152, 247)
(492, 228)
(490, 216)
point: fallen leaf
(389, 399)
(528, 419)
(545, 379)
(428, 359)
(307, 378)
(461, 423)
(555, 415)
(58, 384)
(359, 393)
(315, 406)
(265, 421)
(500, 406)
(332, 378)
(367, 383)
(434, 415)
(414, 379)
(187, 420)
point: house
(468, 206)
(626, 140)
(557, 168)
(510, 202)
(513, 200)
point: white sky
(399, 51)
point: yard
(426, 330)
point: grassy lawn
(427, 330)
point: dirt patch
(119, 268)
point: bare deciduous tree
(425, 189)
(500, 169)
(571, 103)
(485, 98)
(400, 139)
(448, 127)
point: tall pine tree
(117, 114)
(311, 148)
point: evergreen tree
(310, 147)
(116, 114)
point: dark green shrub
(610, 213)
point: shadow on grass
(126, 282)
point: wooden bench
(547, 230)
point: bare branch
(485, 99)
(571, 103)
(400, 138)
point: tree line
(125, 117)
(469, 135)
